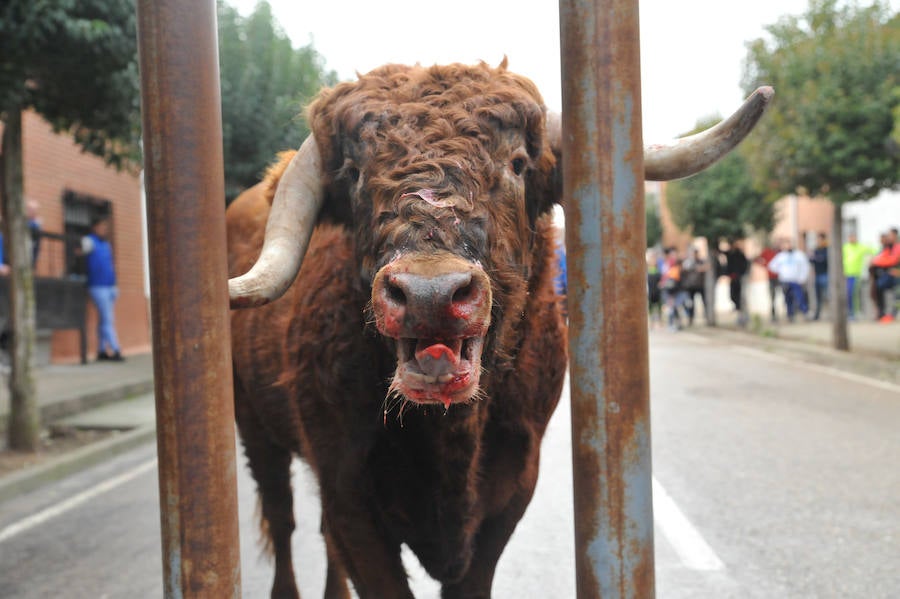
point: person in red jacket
(884, 271)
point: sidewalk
(66, 389)
(99, 395)
(874, 347)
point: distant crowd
(675, 282)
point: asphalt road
(772, 479)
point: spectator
(792, 267)
(4, 267)
(764, 258)
(736, 266)
(693, 280)
(854, 255)
(654, 294)
(101, 282)
(560, 281)
(884, 271)
(673, 295)
(34, 227)
(819, 260)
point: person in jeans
(693, 280)
(819, 261)
(792, 267)
(854, 256)
(764, 259)
(101, 284)
(884, 271)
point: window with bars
(79, 211)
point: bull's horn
(292, 218)
(690, 155)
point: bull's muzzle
(438, 309)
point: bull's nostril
(464, 293)
(395, 294)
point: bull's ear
(335, 117)
(689, 155)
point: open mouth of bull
(441, 371)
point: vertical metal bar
(608, 347)
(189, 297)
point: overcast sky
(692, 51)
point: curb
(873, 365)
(70, 406)
(31, 478)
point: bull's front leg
(492, 539)
(371, 560)
(495, 531)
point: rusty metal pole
(189, 297)
(608, 346)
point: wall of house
(53, 164)
(800, 218)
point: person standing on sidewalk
(819, 260)
(792, 267)
(693, 280)
(884, 271)
(101, 283)
(764, 258)
(854, 255)
(736, 267)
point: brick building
(70, 187)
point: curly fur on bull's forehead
(438, 126)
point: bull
(408, 343)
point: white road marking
(74, 501)
(687, 542)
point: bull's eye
(352, 173)
(517, 165)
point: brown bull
(420, 352)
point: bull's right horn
(689, 155)
(692, 154)
(292, 218)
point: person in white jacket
(792, 267)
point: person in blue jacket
(101, 284)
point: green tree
(834, 71)
(265, 84)
(74, 62)
(721, 202)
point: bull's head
(442, 174)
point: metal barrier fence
(603, 174)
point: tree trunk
(836, 282)
(24, 418)
(709, 282)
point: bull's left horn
(295, 209)
(690, 155)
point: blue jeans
(794, 298)
(821, 293)
(851, 293)
(104, 299)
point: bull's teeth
(445, 378)
(431, 380)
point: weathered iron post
(603, 176)
(191, 336)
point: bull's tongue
(436, 358)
